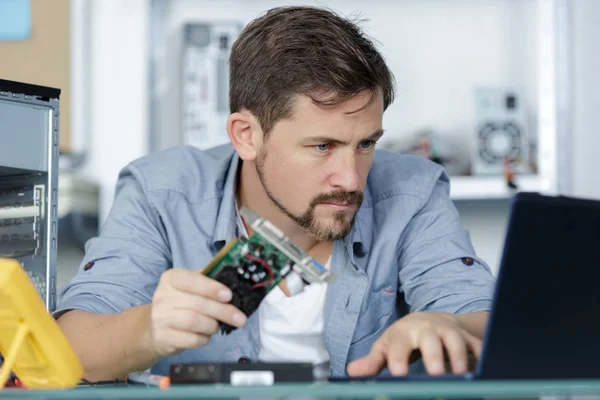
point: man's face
(314, 166)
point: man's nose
(346, 173)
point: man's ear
(244, 130)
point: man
(308, 93)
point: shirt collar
(358, 239)
(226, 225)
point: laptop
(545, 317)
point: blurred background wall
(128, 89)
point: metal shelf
(554, 115)
(494, 187)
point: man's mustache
(350, 198)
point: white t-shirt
(291, 328)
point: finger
(456, 347)
(474, 344)
(196, 283)
(398, 355)
(432, 352)
(180, 340)
(371, 364)
(193, 322)
(215, 309)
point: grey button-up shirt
(175, 209)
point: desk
(587, 389)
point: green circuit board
(251, 268)
(247, 257)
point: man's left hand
(431, 334)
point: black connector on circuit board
(252, 267)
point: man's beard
(307, 219)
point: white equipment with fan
(501, 132)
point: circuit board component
(252, 267)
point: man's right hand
(186, 309)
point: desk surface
(355, 390)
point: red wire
(267, 267)
(14, 383)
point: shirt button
(467, 261)
(244, 360)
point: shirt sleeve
(438, 268)
(122, 266)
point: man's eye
(322, 147)
(367, 144)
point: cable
(267, 267)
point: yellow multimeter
(32, 344)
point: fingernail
(239, 319)
(224, 294)
(398, 369)
(461, 366)
(437, 367)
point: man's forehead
(338, 123)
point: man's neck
(251, 194)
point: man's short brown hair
(303, 50)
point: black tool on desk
(109, 383)
(545, 317)
(258, 374)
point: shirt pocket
(376, 315)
